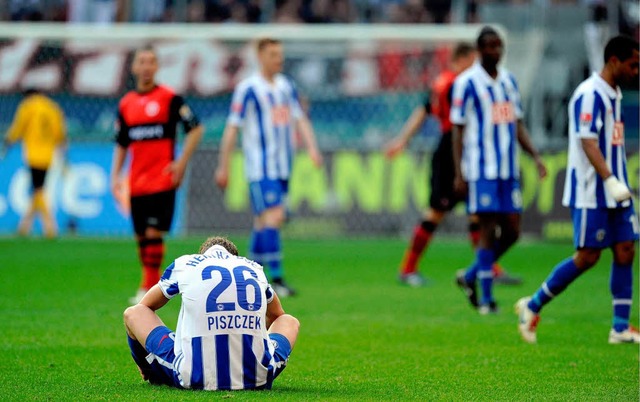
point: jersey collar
(484, 75)
(604, 85)
(215, 248)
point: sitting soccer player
(232, 332)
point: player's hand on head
(617, 189)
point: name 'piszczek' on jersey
(221, 335)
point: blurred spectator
(96, 11)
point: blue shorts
(494, 196)
(266, 194)
(157, 360)
(602, 228)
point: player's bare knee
(586, 258)
(624, 253)
(128, 316)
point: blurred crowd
(245, 11)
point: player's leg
(151, 344)
(152, 217)
(283, 334)
(267, 200)
(623, 223)
(589, 228)
(441, 200)
(422, 234)
(37, 200)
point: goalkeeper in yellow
(39, 123)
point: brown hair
(219, 241)
(262, 43)
(462, 49)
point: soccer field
(363, 336)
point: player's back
(39, 122)
(221, 336)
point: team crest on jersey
(618, 133)
(152, 108)
(585, 120)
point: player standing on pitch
(146, 126)
(487, 125)
(266, 107)
(443, 198)
(232, 332)
(597, 190)
(39, 123)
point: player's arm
(227, 144)
(459, 184)
(617, 189)
(154, 298)
(119, 155)
(194, 132)
(525, 142)
(16, 130)
(274, 310)
(409, 129)
(306, 132)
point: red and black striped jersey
(438, 102)
(147, 125)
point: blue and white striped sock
(621, 286)
(562, 275)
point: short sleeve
(460, 97)
(587, 113)
(427, 103)
(181, 111)
(169, 281)
(121, 131)
(239, 101)
(517, 99)
(269, 293)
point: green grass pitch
(363, 336)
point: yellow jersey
(39, 123)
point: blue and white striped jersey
(489, 109)
(221, 337)
(594, 112)
(266, 113)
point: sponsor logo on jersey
(585, 120)
(146, 132)
(618, 133)
(185, 113)
(280, 115)
(502, 113)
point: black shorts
(37, 178)
(443, 198)
(153, 210)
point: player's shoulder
(466, 76)
(166, 90)
(284, 80)
(127, 98)
(247, 82)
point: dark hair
(462, 49)
(621, 46)
(30, 91)
(486, 31)
(219, 241)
